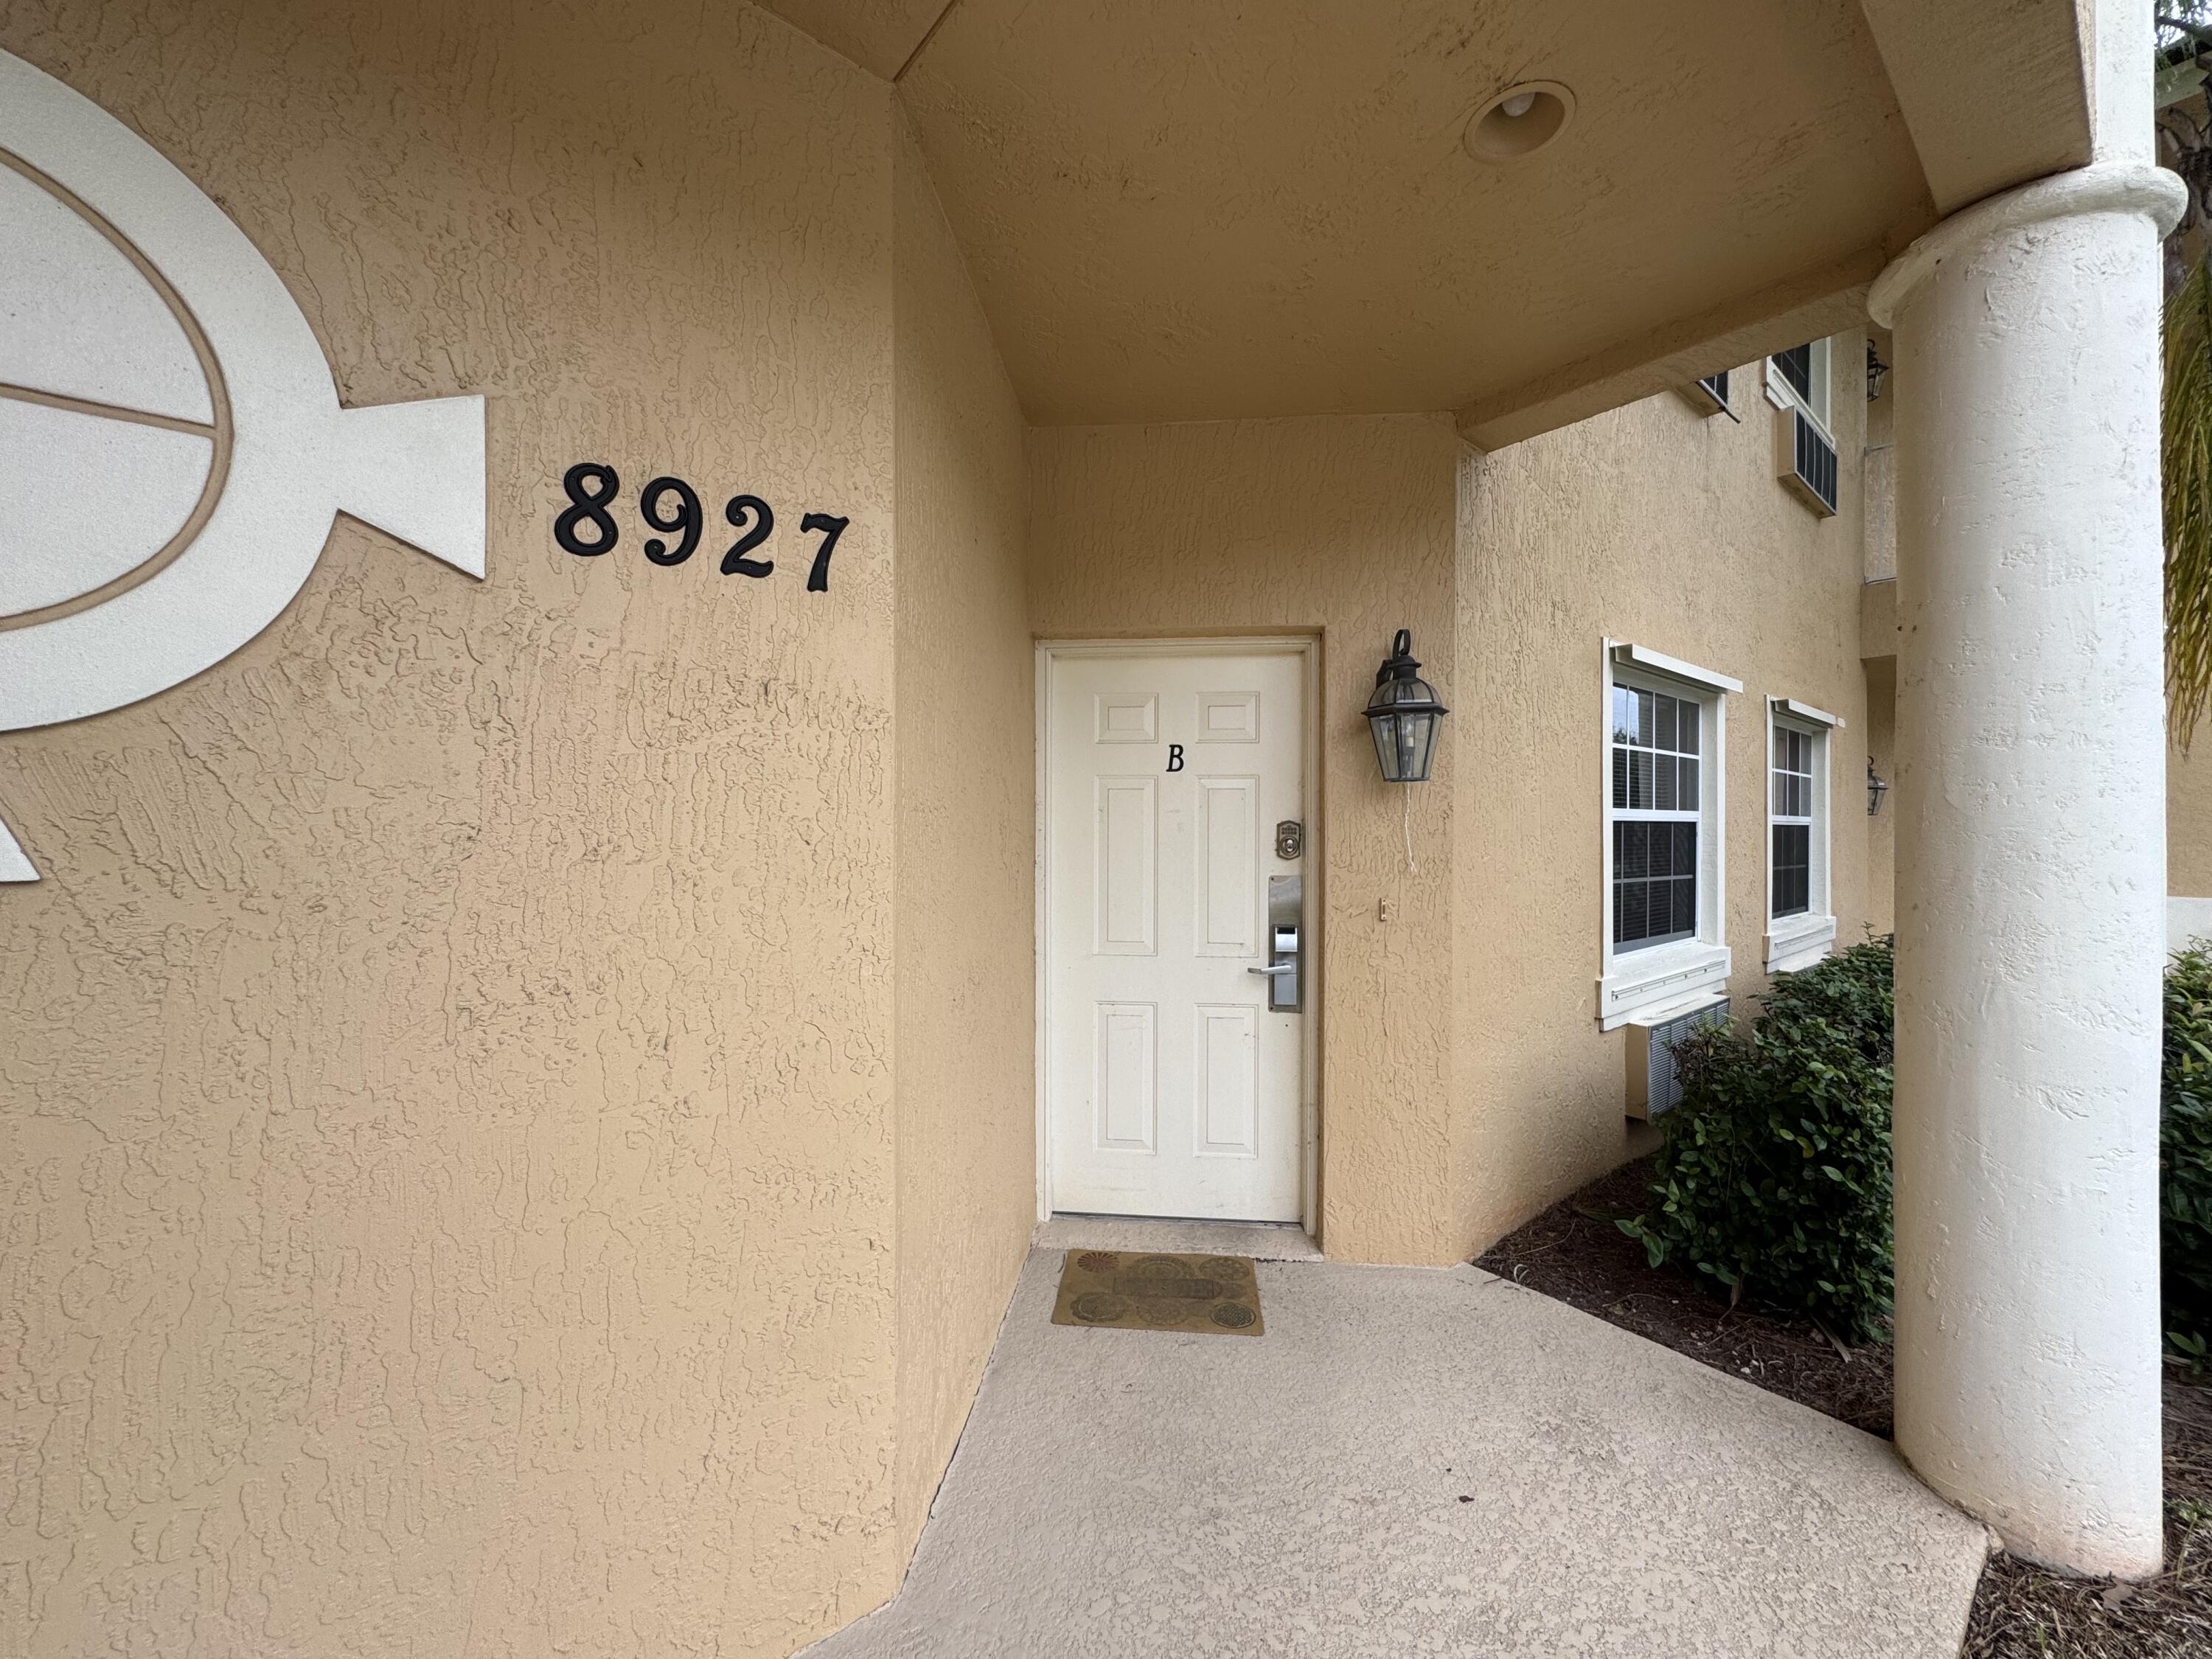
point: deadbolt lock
(1290, 839)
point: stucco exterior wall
(447, 1097)
(2189, 820)
(1882, 826)
(1651, 525)
(966, 843)
(1343, 527)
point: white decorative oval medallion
(176, 447)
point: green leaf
(2186, 443)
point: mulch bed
(1573, 1252)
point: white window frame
(1801, 940)
(1783, 395)
(1634, 983)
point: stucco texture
(966, 844)
(447, 1094)
(1341, 526)
(1881, 825)
(2189, 818)
(1655, 525)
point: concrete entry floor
(1410, 1462)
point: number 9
(687, 519)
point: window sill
(1795, 942)
(1644, 979)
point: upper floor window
(1800, 376)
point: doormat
(1218, 1295)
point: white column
(2031, 862)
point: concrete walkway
(1410, 1462)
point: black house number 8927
(672, 506)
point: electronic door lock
(1285, 924)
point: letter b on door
(1174, 757)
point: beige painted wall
(1341, 526)
(2189, 819)
(445, 1120)
(1882, 826)
(1656, 525)
(966, 847)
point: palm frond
(2185, 418)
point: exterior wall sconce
(1403, 714)
(1877, 371)
(1877, 786)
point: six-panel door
(1171, 1089)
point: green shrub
(2184, 1151)
(1774, 1176)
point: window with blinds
(1657, 761)
(1791, 821)
(1795, 366)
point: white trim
(1660, 978)
(2103, 187)
(1307, 648)
(1805, 712)
(1784, 395)
(1631, 984)
(1795, 942)
(1655, 662)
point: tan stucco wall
(447, 1102)
(1655, 525)
(966, 837)
(1882, 826)
(2189, 818)
(1341, 526)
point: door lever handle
(1279, 968)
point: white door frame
(1307, 648)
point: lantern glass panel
(1405, 744)
(1385, 728)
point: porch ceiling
(1184, 212)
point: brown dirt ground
(1574, 1252)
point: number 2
(741, 507)
(818, 579)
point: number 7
(818, 579)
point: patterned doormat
(1218, 1295)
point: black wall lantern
(1403, 714)
(1877, 786)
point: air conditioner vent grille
(1654, 1086)
(1812, 463)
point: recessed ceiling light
(1519, 121)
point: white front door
(1172, 1088)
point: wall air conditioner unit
(1653, 1088)
(1805, 460)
